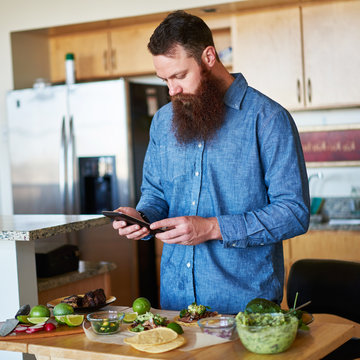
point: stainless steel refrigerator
(52, 130)
(79, 148)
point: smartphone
(116, 215)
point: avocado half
(262, 306)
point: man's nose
(174, 89)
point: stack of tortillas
(156, 340)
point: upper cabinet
(103, 53)
(267, 51)
(302, 57)
(332, 53)
(92, 55)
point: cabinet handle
(298, 91)
(309, 90)
(105, 60)
(113, 59)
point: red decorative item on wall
(331, 148)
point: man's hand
(133, 232)
(188, 230)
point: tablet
(116, 215)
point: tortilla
(160, 348)
(194, 323)
(157, 336)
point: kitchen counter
(32, 227)
(333, 226)
(326, 333)
(18, 234)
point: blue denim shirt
(252, 177)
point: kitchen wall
(20, 15)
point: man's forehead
(167, 67)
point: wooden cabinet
(129, 49)
(267, 50)
(91, 50)
(103, 53)
(332, 53)
(302, 57)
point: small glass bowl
(268, 339)
(223, 326)
(105, 322)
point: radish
(35, 328)
(21, 328)
(50, 327)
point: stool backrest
(333, 286)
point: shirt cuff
(232, 228)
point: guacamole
(268, 333)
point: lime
(38, 320)
(176, 327)
(23, 319)
(39, 311)
(63, 309)
(60, 319)
(141, 305)
(73, 320)
(130, 317)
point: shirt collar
(236, 92)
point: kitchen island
(326, 333)
(18, 234)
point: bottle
(70, 68)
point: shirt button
(197, 173)
(188, 265)
(199, 145)
(233, 244)
(193, 203)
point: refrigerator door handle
(73, 206)
(70, 168)
(62, 166)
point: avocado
(262, 306)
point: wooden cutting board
(60, 330)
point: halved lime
(73, 320)
(60, 319)
(130, 317)
(23, 319)
(37, 320)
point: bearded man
(224, 174)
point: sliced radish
(21, 328)
(35, 328)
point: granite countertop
(32, 227)
(86, 270)
(332, 226)
(337, 214)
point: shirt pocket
(173, 164)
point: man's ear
(209, 56)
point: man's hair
(181, 28)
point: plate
(307, 318)
(109, 300)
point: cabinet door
(130, 55)
(91, 55)
(267, 51)
(332, 53)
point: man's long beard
(198, 116)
